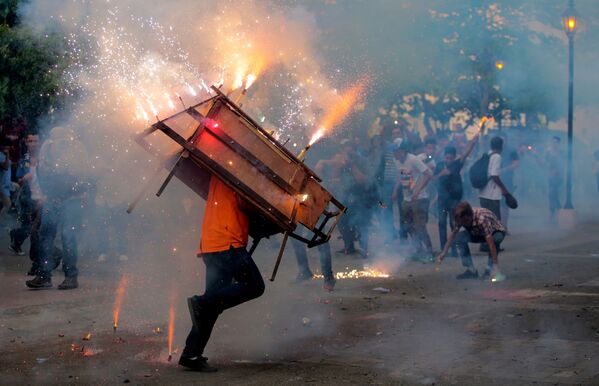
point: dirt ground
(540, 326)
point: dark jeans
(445, 208)
(355, 225)
(232, 278)
(326, 266)
(66, 215)
(464, 237)
(27, 213)
(554, 202)
(414, 216)
(493, 205)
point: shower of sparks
(337, 113)
(132, 69)
(357, 274)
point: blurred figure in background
(28, 201)
(63, 175)
(386, 178)
(509, 165)
(450, 188)
(413, 177)
(554, 162)
(5, 181)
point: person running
(480, 226)
(232, 277)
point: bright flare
(249, 80)
(319, 133)
(571, 24)
(340, 109)
(171, 328)
(118, 301)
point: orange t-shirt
(224, 223)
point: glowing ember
(357, 274)
(118, 301)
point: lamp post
(570, 22)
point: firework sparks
(357, 273)
(171, 329)
(340, 110)
(118, 301)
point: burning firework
(357, 274)
(337, 113)
(171, 330)
(118, 301)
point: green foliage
(31, 68)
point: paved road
(541, 326)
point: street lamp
(570, 23)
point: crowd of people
(463, 183)
(392, 185)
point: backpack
(479, 172)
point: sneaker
(329, 284)
(39, 282)
(197, 364)
(102, 257)
(349, 251)
(123, 257)
(195, 310)
(68, 283)
(468, 274)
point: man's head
(396, 133)
(463, 214)
(451, 154)
(497, 144)
(32, 140)
(430, 145)
(400, 150)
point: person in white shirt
(413, 176)
(490, 196)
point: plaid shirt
(484, 223)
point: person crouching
(480, 226)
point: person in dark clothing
(63, 177)
(232, 277)
(450, 188)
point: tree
(31, 69)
